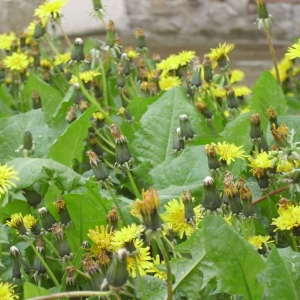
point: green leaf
(185, 171)
(154, 287)
(280, 279)
(267, 92)
(69, 145)
(237, 262)
(32, 170)
(50, 96)
(6, 96)
(12, 129)
(3, 235)
(32, 290)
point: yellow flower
(131, 53)
(125, 235)
(50, 10)
(86, 76)
(45, 63)
(30, 32)
(236, 76)
(158, 273)
(6, 174)
(229, 152)
(16, 221)
(101, 238)
(241, 91)
(294, 50)
(7, 291)
(6, 40)
(284, 67)
(261, 160)
(185, 57)
(62, 58)
(143, 260)
(259, 240)
(17, 61)
(289, 217)
(29, 221)
(175, 218)
(221, 52)
(219, 93)
(167, 83)
(284, 166)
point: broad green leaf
(6, 96)
(50, 96)
(13, 128)
(155, 288)
(237, 262)
(280, 278)
(16, 206)
(185, 171)
(267, 92)
(69, 145)
(32, 290)
(154, 139)
(3, 235)
(32, 170)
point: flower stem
(272, 51)
(270, 194)
(140, 279)
(89, 97)
(43, 263)
(73, 294)
(133, 185)
(168, 267)
(171, 246)
(64, 34)
(50, 245)
(104, 82)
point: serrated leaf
(238, 264)
(32, 290)
(32, 170)
(185, 171)
(267, 92)
(69, 145)
(279, 279)
(50, 96)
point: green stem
(171, 246)
(104, 82)
(64, 35)
(295, 246)
(37, 253)
(133, 85)
(90, 98)
(73, 294)
(116, 202)
(168, 267)
(83, 274)
(51, 45)
(105, 149)
(140, 279)
(272, 51)
(149, 67)
(50, 245)
(133, 185)
(108, 142)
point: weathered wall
(184, 21)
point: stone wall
(171, 22)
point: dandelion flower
(229, 152)
(17, 222)
(261, 160)
(50, 10)
(221, 52)
(236, 76)
(167, 83)
(62, 58)
(289, 217)
(259, 241)
(7, 291)
(17, 61)
(175, 218)
(6, 174)
(86, 76)
(294, 50)
(101, 238)
(241, 91)
(158, 273)
(6, 40)
(185, 57)
(143, 260)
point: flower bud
(32, 197)
(16, 221)
(28, 144)
(279, 135)
(212, 157)
(117, 273)
(246, 196)
(37, 266)
(110, 34)
(233, 197)
(272, 117)
(120, 77)
(39, 30)
(98, 167)
(196, 80)
(92, 268)
(62, 210)
(36, 100)
(18, 262)
(63, 247)
(189, 214)
(208, 72)
(232, 102)
(31, 223)
(47, 218)
(211, 198)
(255, 129)
(112, 219)
(202, 108)
(78, 95)
(140, 35)
(71, 283)
(178, 143)
(186, 130)
(77, 52)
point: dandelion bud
(211, 198)
(255, 129)
(62, 210)
(196, 80)
(92, 268)
(71, 115)
(272, 117)
(246, 196)
(120, 76)
(279, 135)
(233, 197)
(71, 283)
(31, 223)
(117, 273)
(264, 18)
(78, 95)
(15, 253)
(110, 34)
(207, 65)
(98, 167)
(261, 177)
(37, 265)
(16, 221)
(232, 102)
(63, 247)
(123, 156)
(202, 108)
(47, 218)
(28, 144)
(189, 214)
(32, 197)
(77, 52)
(213, 161)
(112, 219)
(178, 143)
(39, 30)
(36, 100)
(140, 35)
(186, 130)
(97, 5)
